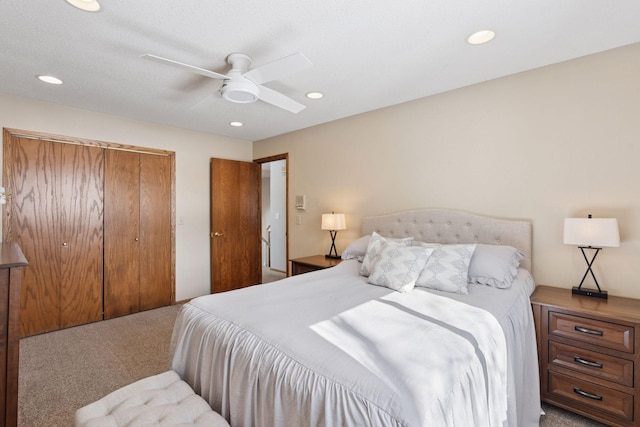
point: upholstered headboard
(450, 226)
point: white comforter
(328, 349)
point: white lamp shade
(595, 232)
(333, 222)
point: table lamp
(333, 222)
(594, 234)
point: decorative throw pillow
(375, 247)
(357, 249)
(447, 268)
(494, 265)
(399, 266)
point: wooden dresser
(11, 260)
(589, 350)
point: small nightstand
(589, 353)
(312, 263)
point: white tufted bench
(162, 400)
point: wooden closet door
(81, 255)
(55, 214)
(121, 233)
(155, 231)
(35, 224)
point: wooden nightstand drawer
(605, 334)
(312, 263)
(598, 365)
(591, 397)
(297, 268)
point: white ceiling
(366, 54)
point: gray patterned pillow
(357, 249)
(399, 266)
(374, 249)
(494, 265)
(447, 268)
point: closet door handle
(218, 234)
(64, 244)
(137, 238)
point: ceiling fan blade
(188, 67)
(279, 100)
(278, 69)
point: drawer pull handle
(585, 394)
(588, 331)
(587, 362)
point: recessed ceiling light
(236, 124)
(480, 37)
(86, 5)
(50, 79)
(314, 95)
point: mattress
(326, 348)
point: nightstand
(312, 263)
(589, 354)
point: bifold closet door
(82, 207)
(121, 229)
(137, 227)
(55, 215)
(155, 231)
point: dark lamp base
(589, 292)
(333, 256)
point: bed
(330, 348)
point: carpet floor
(64, 370)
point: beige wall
(555, 142)
(193, 150)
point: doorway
(274, 224)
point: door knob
(218, 234)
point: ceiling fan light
(241, 92)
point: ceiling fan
(242, 85)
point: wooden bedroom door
(137, 226)
(55, 214)
(236, 243)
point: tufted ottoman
(161, 400)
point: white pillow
(375, 247)
(447, 268)
(357, 249)
(494, 265)
(399, 266)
